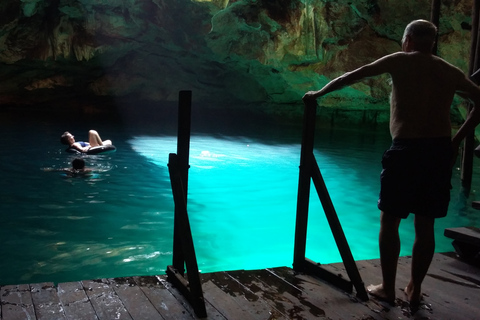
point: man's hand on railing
(311, 95)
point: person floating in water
(94, 140)
(77, 169)
(418, 166)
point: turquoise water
(242, 197)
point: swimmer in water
(77, 169)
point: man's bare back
(423, 87)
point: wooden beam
(304, 181)
(183, 248)
(183, 152)
(337, 231)
(309, 171)
(435, 19)
(191, 289)
(467, 157)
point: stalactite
(314, 33)
(309, 33)
(50, 23)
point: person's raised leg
(389, 244)
(422, 254)
(95, 140)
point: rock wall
(261, 54)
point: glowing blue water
(241, 202)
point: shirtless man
(94, 140)
(417, 168)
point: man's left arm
(375, 68)
(471, 91)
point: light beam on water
(242, 201)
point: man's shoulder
(393, 59)
(387, 62)
(446, 66)
(397, 55)
(429, 61)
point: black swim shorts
(416, 177)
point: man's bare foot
(413, 297)
(378, 292)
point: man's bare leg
(95, 140)
(389, 243)
(422, 254)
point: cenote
(242, 195)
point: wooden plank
(284, 297)
(336, 268)
(466, 243)
(452, 292)
(469, 235)
(372, 273)
(333, 302)
(16, 303)
(212, 313)
(441, 300)
(224, 303)
(75, 302)
(162, 299)
(105, 301)
(235, 301)
(46, 302)
(450, 260)
(134, 299)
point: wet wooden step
(451, 290)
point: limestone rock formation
(242, 54)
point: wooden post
(435, 19)
(183, 144)
(309, 170)
(303, 196)
(183, 248)
(191, 289)
(183, 153)
(468, 147)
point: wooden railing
(473, 69)
(309, 171)
(183, 249)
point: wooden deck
(451, 291)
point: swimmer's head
(78, 164)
